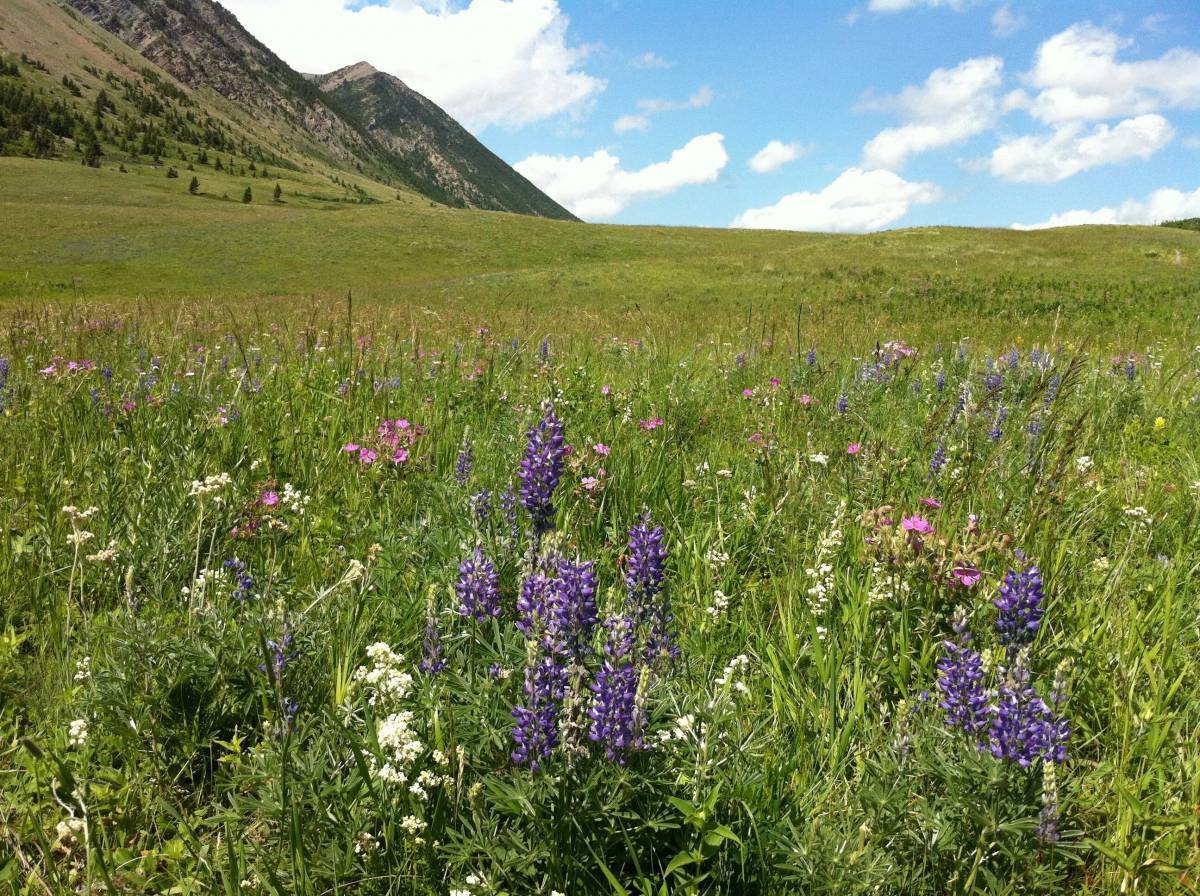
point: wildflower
(811, 357)
(541, 469)
(932, 502)
(843, 403)
(747, 393)
(464, 463)
(1083, 464)
(1047, 829)
(806, 399)
(616, 719)
(853, 449)
(244, 584)
(478, 587)
(1020, 607)
(938, 461)
(651, 424)
(602, 449)
(966, 576)
(1160, 424)
(385, 677)
(960, 682)
(644, 586)
(536, 730)
(1024, 728)
(606, 390)
(433, 661)
(819, 458)
(916, 525)
(77, 733)
(481, 505)
(269, 498)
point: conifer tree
(248, 196)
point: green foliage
(1183, 224)
(248, 196)
(194, 186)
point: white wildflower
(77, 733)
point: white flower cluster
(1138, 517)
(819, 458)
(720, 603)
(83, 669)
(200, 583)
(294, 500)
(886, 585)
(210, 485)
(400, 744)
(77, 515)
(77, 733)
(385, 677)
(78, 537)
(732, 680)
(104, 555)
(821, 572)
(1084, 464)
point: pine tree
(278, 193)
(194, 186)
(248, 196)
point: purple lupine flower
(940, 382)
(1130, 369)
(508, 506)
(916, 386)
(1024, 728)
(618, 720)
(481, 505)
(961, 683)
(843, 403)
(433, 654)
(534, 600)
(281, 654)
(961, 404)
(1052, 387)
(1020, 607)
(993, 381)
(1051, 812)
(464, 463)
(536, 731)
(645, 574)
(938, 461)
(541, 469)
(478, 587)
(811, 359)
(572, 607)
(244, 589)
(997, 431)
(544, 350)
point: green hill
(181, 84)
(73, 233)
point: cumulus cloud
(1071, 149)
(487, 62)
(1078, 77)
(649, 60)
(1161, 205)
(1005, 22)
(596, 186)
(775, 155)
(952, 105)
(888, 6)
(856, 201)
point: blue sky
(1040, 114)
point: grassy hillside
(73, 233)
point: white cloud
(952, 105)
(487, 62)
(596, 186)
(1079, 77)
(698, 100)
(1161, 205)
(1070, 149)
(1005, 22)
(649, 59)
(888, 6)
(627, 123)
(775, 155)
(856, 201)
(641, 121)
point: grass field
(302, 594)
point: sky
(831, 116)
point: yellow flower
(1159, 424)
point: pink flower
(806, 399)
(367, 456)
(966, 576)
(916, 525)
(601, 449)
(932, 502)
(651, 424)
(606, 390)
(747, 393)
(269, 498)
(853, 448)
(400, 455)
(349, 447)
(776, 382)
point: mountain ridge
(199, 84)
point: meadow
(391, 549)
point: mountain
(181, 81)
(441, 157)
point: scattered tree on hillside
(194, 186)
(171, 172)
(278, 193)
(248, 196)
